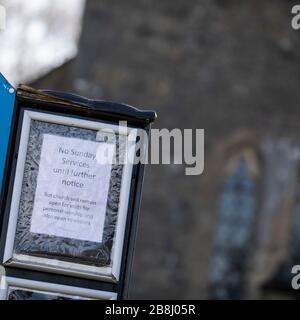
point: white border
(54, 289)
(56, 266)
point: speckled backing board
(31, 295)
(66, 249)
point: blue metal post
(7, 100)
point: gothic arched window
(237, 207)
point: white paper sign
(72, 188)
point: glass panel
(32, 295)
(67, 248)
(236, 219)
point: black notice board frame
(65, 104)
